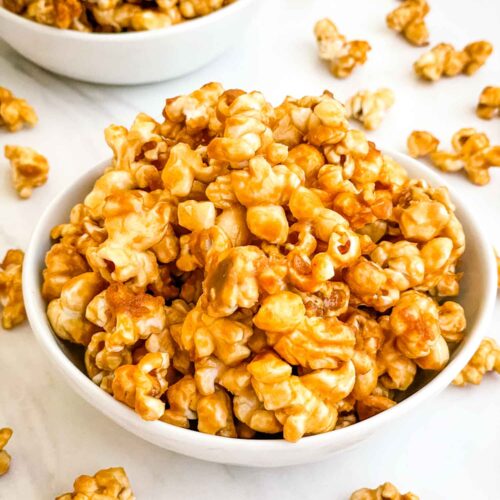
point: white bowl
(128, 58)
(477, 297)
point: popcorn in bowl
(112, 16)
(244, 269)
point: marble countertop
(449, 448)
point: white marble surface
(449, 449)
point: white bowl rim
(122, 414)
(191, 24)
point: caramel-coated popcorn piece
(315, 343)
(29, 169)
(15, 112)
(215, 414)
(243, 269)
(386, 491)
(183, 402)
(452, 322)
(485, 359)
(408, 19)
(5, 435)
(369, 108)
(369, 340)
(414, 320)
(472, 153)
(444, 60)
(11, 293)
(67, 313)
(195, 8)
(247, 406)
(421, 143)
(62, 14)
(342, 55)
(489, 103)
(141, 386)
(373, 405)
(107, 484)
(62, 262)
(298, 409)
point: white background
(449, 449)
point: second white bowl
(128, 58)
(478, 292)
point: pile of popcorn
(243, 269)
(112, 16)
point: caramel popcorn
(386, 491)
(110, 484)
(489, 103)
(62, 14)
(105, 16)
(5, 435)
(11, 292)
(444, 60)
(297, 408)
(141, 386)
(243, 269)
(333, 47)
(67, 313)
(29, 169)
(485, 359)
(408, 19)
(62, 262)
(421, 143)
(15, 112)
(369, 108)
(472, 153)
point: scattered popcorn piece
(472, 153)
(11, 293)
(485, 359)
(343, 56)
(5, 435)
(106, 484)
(421, 143)
(369, 108)
(408, 19)
(386, 491)
(15, 112)
(444, 60)
(29, 169)
(489, 103)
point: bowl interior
(478, 290)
